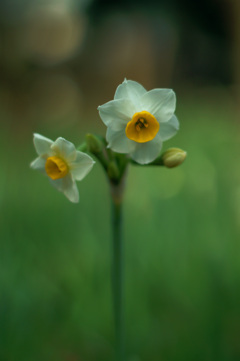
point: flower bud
(173, 157)
(113, 170)
(94, 144)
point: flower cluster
(138, 122)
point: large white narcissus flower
(62, 163)
(138, 121)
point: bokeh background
(59, 60)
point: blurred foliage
(182, 249)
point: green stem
(117, 273)
(157, 161)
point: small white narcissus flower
(138, 121)
(62, 163)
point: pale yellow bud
(173, 157)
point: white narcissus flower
(62, 163)
(138, 121)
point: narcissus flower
(138, 121)
(62, 163)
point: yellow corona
(56, 168)
(142, 128)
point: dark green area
(182, 267)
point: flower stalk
(115, 166)
(117, 270)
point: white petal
(160, 102)
(119, 142)
(117, 113)
(146, 152)
(169, 129)
(39, 164)
(68, 187)
(81, 166)
(132, 90)
(65, 149)
(71, 191)
(42, 144)
(58, 183)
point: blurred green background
(59, 60)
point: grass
(182, 266)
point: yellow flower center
(142, 128)
(56, 168)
